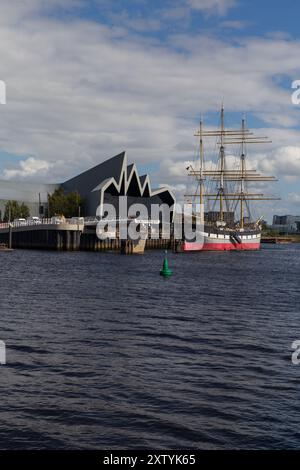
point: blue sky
(87, 79)
(256, 17)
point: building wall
(286, 223)
(146, 201)
(29, 193)
(89, 185)
(285, 219)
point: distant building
(286, 223)
(103, 183)
(29, 193)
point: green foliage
(264, 225)
(17, 211)
(269, 232)
(65, 204)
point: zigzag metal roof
(114, 172)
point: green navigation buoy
(166, 271)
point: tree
(24, 211)
(16, 210)
(65, 204)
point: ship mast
(201, 178)
(242, 175)
(222, 166)
(221, 175)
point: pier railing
(45, 221)
(152, 228)
(57, 233)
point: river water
(103, 353)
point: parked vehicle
(56, 220)
(19, 222)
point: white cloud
(234, 24)
(219, 7)
(79, 91)
(283, 162)
(28, 168)
(294, 198)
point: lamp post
(9, 226)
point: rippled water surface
(104, 353)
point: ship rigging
(227, 188)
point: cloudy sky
(87, 79)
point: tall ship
(222, 191)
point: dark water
(104, 353)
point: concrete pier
(64, 236)
(68, 236)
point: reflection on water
(102, 352)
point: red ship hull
(226, 241)
(219, 246)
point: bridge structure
(73, 235)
